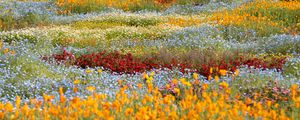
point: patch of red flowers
(127, 63)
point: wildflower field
(149, 59)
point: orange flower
(196, 82)
(12, 52)
(76, 82)
(222, 72)
(139, 85)
(294, 87)
(236, 72)
(8, 107)
(269, 103)
(128, 111)
(209, 77)
(120, 82)
(145, 76)
(174, 81)
(168, 86)
(5, 50)
(204, 86)
(61, 95)
(75, 89)
(47, 98)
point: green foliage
(114, 20)
(60, 38)
(292, 68)
(252, 85)
(96, 6)
(135, 34)
(95, 24)
(10, 37)
(150, 5)
(193, 2)
(31, 68)
(9, 22)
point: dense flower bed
(195, 102)
(149, 59)
(126, 63)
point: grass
(85, 6)
(111, 20)
(10, 22)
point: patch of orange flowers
(261, 15)
(200, 104)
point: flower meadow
(149, 59)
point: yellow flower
(152, 74)
(210, 70)
(12, 117)
(90, 88)
(195, 76)
(184, 82)
(176, 90)
(17, 102)
(99, 71)
(222, 72)
(149, 79)
(188, 84)
(88, 71)
(224, 85)
(216, 78)
(76, 81)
